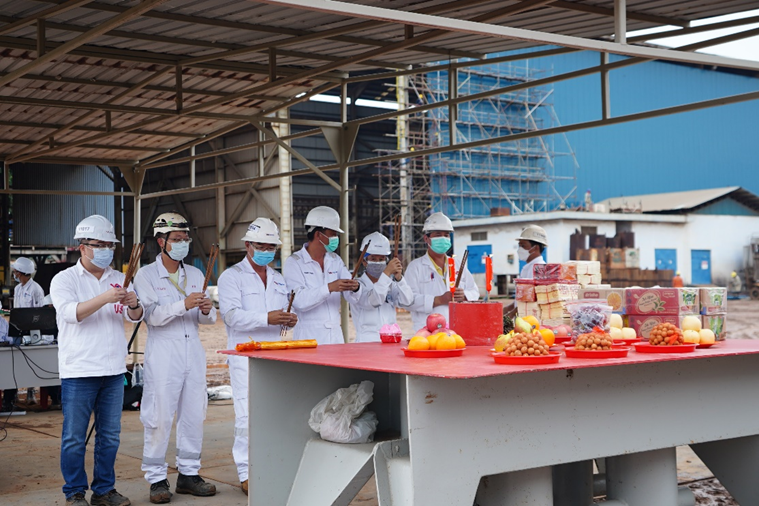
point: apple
(691, 336)
(561, 331)
(616, 321)
(707, 336)
(691, 323)
(423, 332)
(435, 322)
(615, 333)
(629, 333)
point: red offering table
(444, 417)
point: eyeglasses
(93, 247)
(264, 246)
(177, 241)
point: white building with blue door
(704, 234)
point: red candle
(452, 274)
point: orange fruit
(459, 341)
(532, 321)
(548, 336)
(433, 339)
(446, 342)
(419, 343)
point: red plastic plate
(502, 358)
(678, 348)
(628, 342)
(433, 353)
(706, 345)
(560, 339)
(616, 352)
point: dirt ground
(741, 324)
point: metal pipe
(192, 167)
(344, 208)
(620, 21)
(605, 88)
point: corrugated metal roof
(52, 95)
(679, 202)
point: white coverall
(426, 284)
(526, 272)
(175, 369)
(244, 303)
(318, 309)
(28, 295)
(376, 305)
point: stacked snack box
(714, 310)
(615, 297)
(526, 297)
(587, 272)
(648, 307)
(555, 285)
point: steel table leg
(531, 487)
(643, 479)
(573, 484)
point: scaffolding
(497, 179)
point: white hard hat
(96, 227)
(534, 233)
(380, 244)
(262, 230)
(24, 266)
(323, 217)
(170, 222)
(437, 222)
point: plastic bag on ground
(220, 393)
(340, 416)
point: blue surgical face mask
(179, 250)
(375, 269)
(334, 242)
(440, 244)
(263, 258)
(15, 278)
(102, 258)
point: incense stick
(358, 262)
(211, 261)
(397, 234)
(461, 268)
(283, 328)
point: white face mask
(523, 254)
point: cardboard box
(643, 324)
(615, 297)
(717, 323)
(713, 301)
(632, 258)
(616, 258)
(585, 266)
(663, 301)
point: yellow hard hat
(734, 274)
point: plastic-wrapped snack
(588, 316)
(525, 291)
(546, 272)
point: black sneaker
(194, 485)
(160, 493)
(112, 498)
(77, 500)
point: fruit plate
(560, 339)
(615, 352)
(502, 358)
(677, 348)
(706, 345)
(628, 342)
(433, 353)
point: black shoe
(112, 498)
(194, 485)
(160, 493)
(77, 500)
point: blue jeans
(80, 397)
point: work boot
(77, 500)
(159, 492)
(112, 498)
(244, 485)
(194, 485)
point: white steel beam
(620, 21)
(506, 32)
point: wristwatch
(136, 307)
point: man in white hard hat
(383, 289)
(27, 293)
(253, 300)
(428, 275)
(318, 277)
(91, 306)
(175, 361)
(532, 241)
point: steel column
(643, 479)
(344, 208)
(453, 108)
(285, 190)
(620, 21)
(605, 88)
(136, 239)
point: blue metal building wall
(709, 148)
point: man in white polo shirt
(91, 307)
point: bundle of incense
(134, 262)
(211, 262)
(397, 234)
(276, 345)
(283, 328)
(461, 268)
(358, 262)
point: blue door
(475, 262)
(701, 266)
(666, 259)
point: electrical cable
(10, 413)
